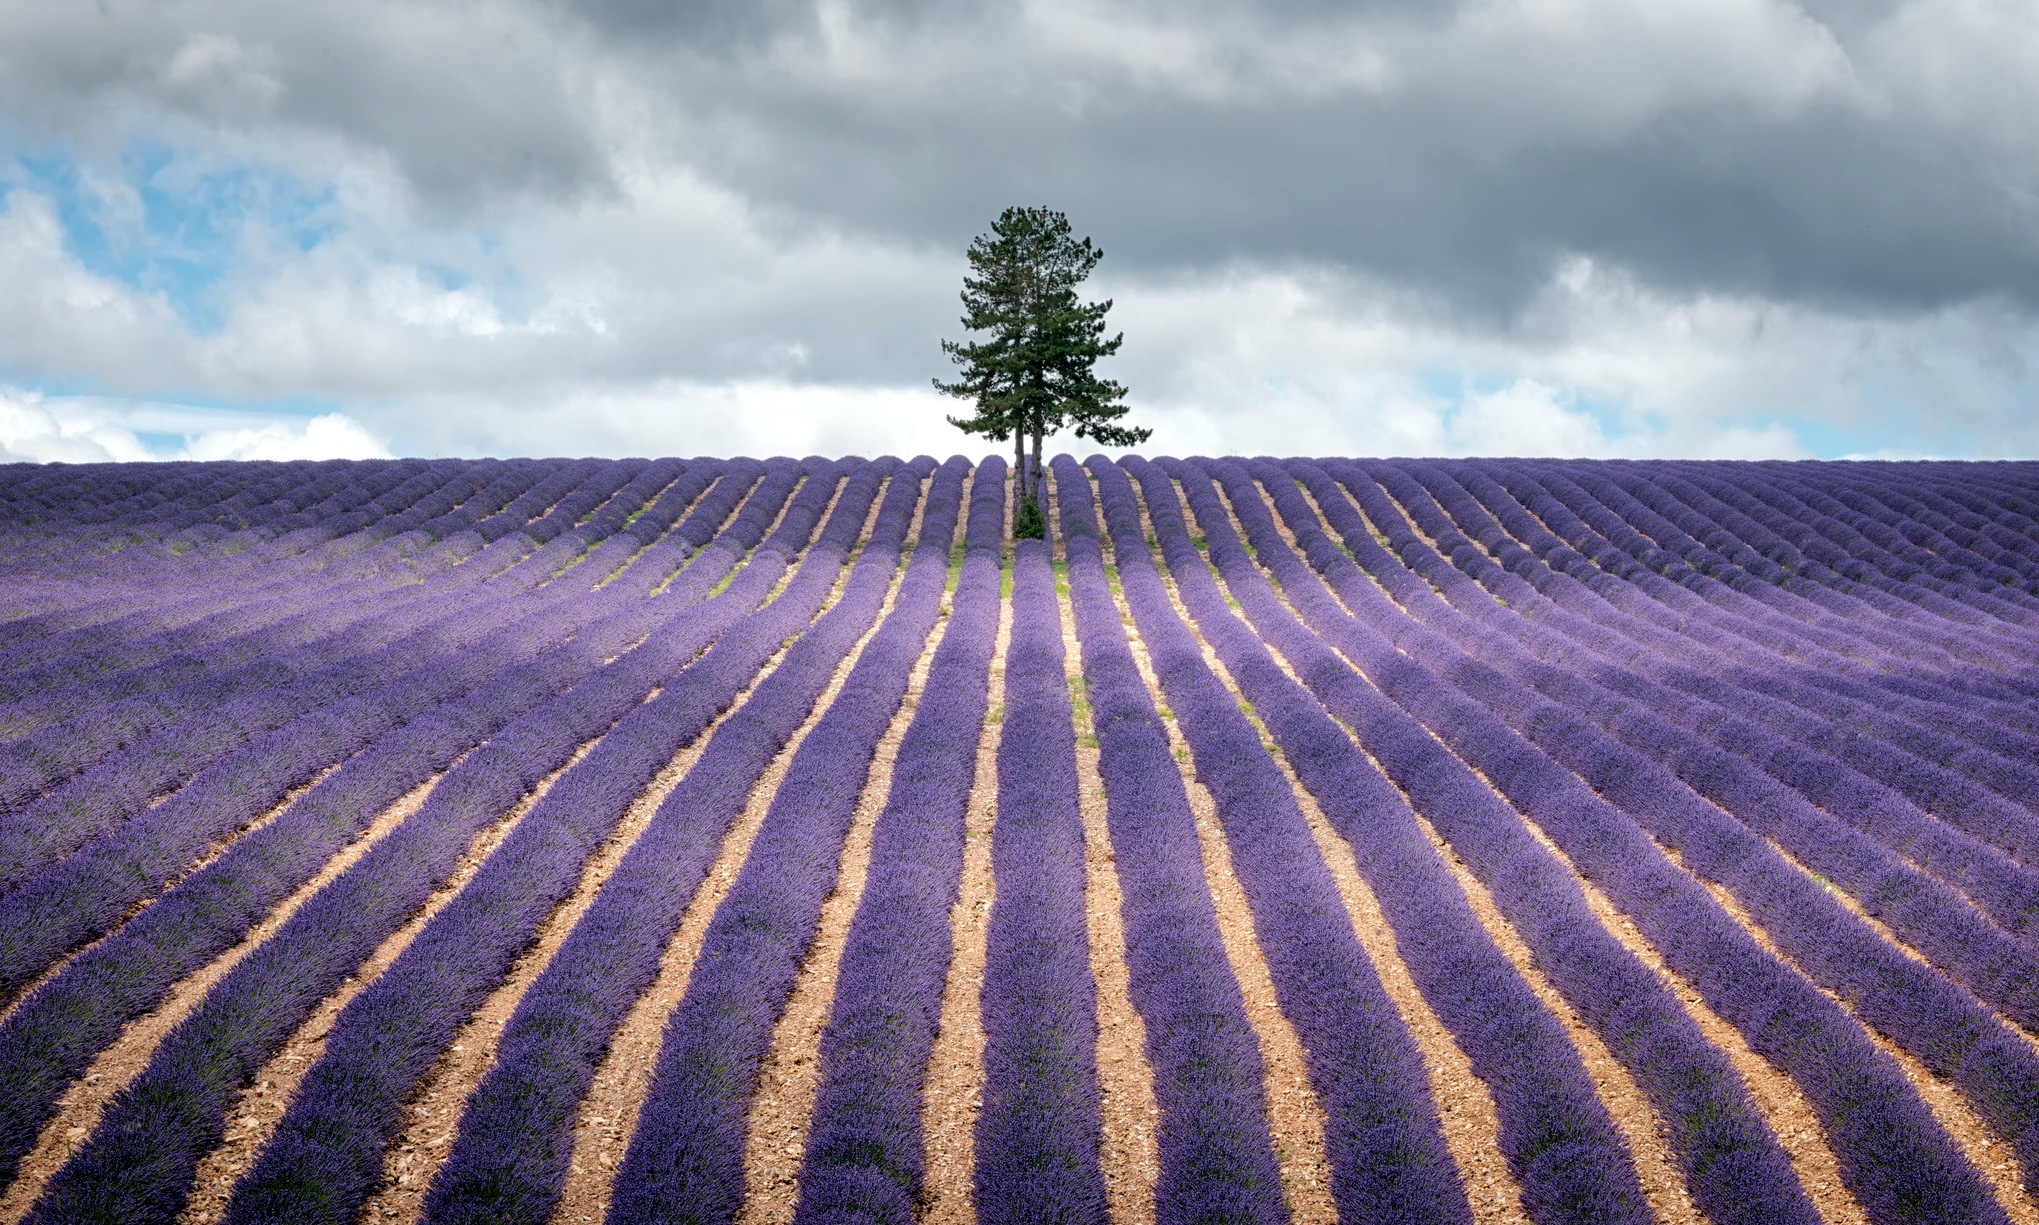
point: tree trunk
(1039, 474)
(1019, 467)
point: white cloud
(89, 429)
(680, 417)
(1357, 230)
(671, 320)
(35, 432)
(330, 436)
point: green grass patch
(1079, 705)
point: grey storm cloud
(1842, 154)
(468, 102)
(1699, 219)
(1813, 153)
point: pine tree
(1033, 375)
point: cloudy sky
(1583, 227)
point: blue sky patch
(167, 222)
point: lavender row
(118, 607)
(1949, 1031)
(1927, 913)
(686, 1155)
(64, 661)
(1766, 614)
(77, 898)
(1816, 653)
(1215, 1150)
(1568, 1160)
(1722, 1145)
(865, 1158)
(1992, 755)
(1038, 1129)
(1628, 578)
(2001, 887)
(1774, 612)
(117, 779)
(79, 495)
(1937, 585)
(1862, 588)
(1861, 543)
(141, 1158)
(101, 797)
(1387, 1152)
(1778, 620)
(1991, 816)
(2007, 891)
(1936, 691)
(104, 793)
(81, 895)
(1893, 1154)
(242, 610)
(38, 761)
(1730, 1159)
(511, 1156)
(327, 1154)
(284, 637)
(1880, 597)
(136, 565)
(68, 1019)
(1849, 636)
(225, 628)
(1950, 514)
(421, 517)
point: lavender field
(1279, 840)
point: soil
(790, 1075)
(1295, 1116)
(261, 1104)
(1990, 1156)
(952, 1095)
(79, 1110)
(1131, 1160)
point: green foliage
(1027, 521)
(1033, 373)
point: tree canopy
(1034, 375)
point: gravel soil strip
(1789, 1113)
(1472, 1126)
(955, 1074)
(417, 1152)
(79, 1110)
(776, 1128)
(1633, 1118)
(790, 1073)
(424, 1143)
(1131, 1157)
(1944, 1109)
(1991, 1158)
(1295, 1117)
(212, 852)
(608, 1116)
(260, 1106)
(1638, 1123)
(1890, 937)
